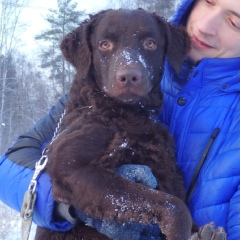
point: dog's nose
(129, 76)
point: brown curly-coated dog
(111, 120)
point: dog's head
(123, 51)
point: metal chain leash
(30, 195)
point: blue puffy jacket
(205, 109)
(197, 104)
(202, 110)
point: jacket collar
(221, 64)
(224, 72)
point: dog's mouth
(129, 98)
(128, 94)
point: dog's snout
(129, 76)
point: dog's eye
(105, 45)
(150, 44)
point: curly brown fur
(80, 232)
(119, 59)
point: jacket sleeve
(17, 168)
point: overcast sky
(33, 16)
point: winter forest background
(30, 82)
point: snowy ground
(10, 224)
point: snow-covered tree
(26, 97)
(61, 21)
(163, 8)
(10, 32)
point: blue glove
(122, 231)
(139, 174)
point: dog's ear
(76, 48)
(178, 45)
(178, 42)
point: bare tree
(10, 26)
(27, 98)
(10, 29)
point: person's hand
(208, 232)
(121, 231)
(139, 174)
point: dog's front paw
(208, 232)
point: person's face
(214, 28)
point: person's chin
(196, 54)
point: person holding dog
(201, 109)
